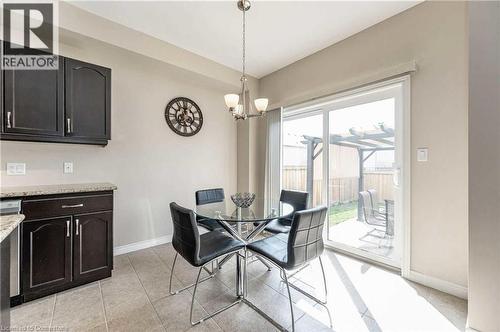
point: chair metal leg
(209, 315)
(324, 278)
(210, 275)
(194, 293)
(307, 294)
(304, 292)
(290, 299)
(171, 275)
(323, 303)
(294, 273)
(224, 260)
(245, 277)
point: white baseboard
(141, 245)
(439, 284)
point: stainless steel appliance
(13, 206)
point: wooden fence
(341, 190)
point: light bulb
(261, 104)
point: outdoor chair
(371, 216)
(376, 205)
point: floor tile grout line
(53, 311)
(102, 304)
(147, 295)
(161, 260)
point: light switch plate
(68, 167)
(16, 169)
(422, 154)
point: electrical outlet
(68, 167)
(16, 169)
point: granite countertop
(7, 192)
(8, 224)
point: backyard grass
(342, 212)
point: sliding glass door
(359, 175)
(361, 178)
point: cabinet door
(93, 245)
(33, 102)
(46, 260)
(88, 100)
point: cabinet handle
(68, 123)
(72, 206)
(77, 226)
(67, 228)
(9, 124)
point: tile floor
(361, 297)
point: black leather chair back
(305, 241)
(208, 196)
(186, 238)
(297, 199)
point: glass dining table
(244, 224)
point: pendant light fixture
(240, 108)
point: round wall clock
(183, 116)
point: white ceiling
(278, 33)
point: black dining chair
(198, 250)
(298, 200)
(296, 249)
(208, 196)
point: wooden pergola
(369, 142)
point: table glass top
(261, 210)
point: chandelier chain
(244, 41)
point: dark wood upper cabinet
(88, 101)
(46, 257)
(68, 105)
(33, 102)
(92, 245)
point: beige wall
(484, 164)
(434, 35)
(150, 164)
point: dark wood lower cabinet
(60, 252)
(92, 250)
(46, 262)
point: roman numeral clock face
(183, 116)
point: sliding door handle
(68, 125)
(67, 228)
(396, 176)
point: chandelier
(241, 111)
